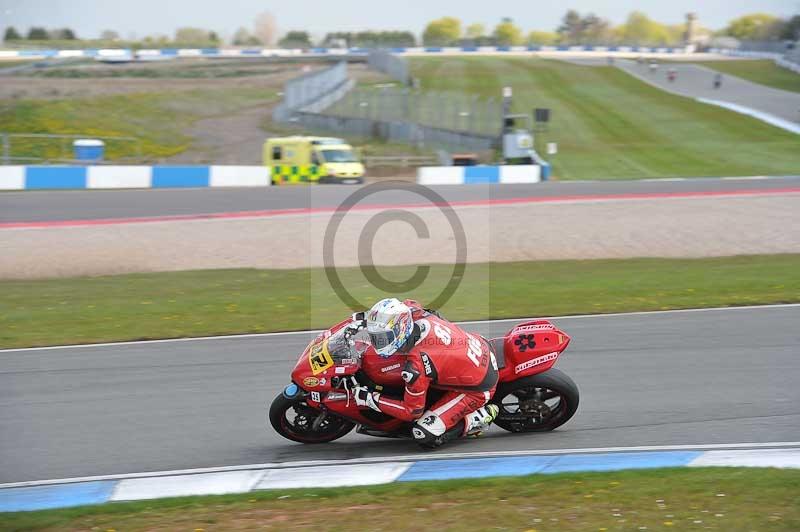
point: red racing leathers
(441, 355)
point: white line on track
(411, 458)
(478, 322)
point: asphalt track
(29, 206)
(696, 81)
(674, 378)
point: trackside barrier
(163, 53)
(83, 177)
(475, 175)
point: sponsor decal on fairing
(536, 361)
(536, 327)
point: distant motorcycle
(317, 407)
(671, 75)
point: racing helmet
(389, 325)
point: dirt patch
(232, 139)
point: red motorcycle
(317, 407)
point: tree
(189, 35)
(109, 35)
(157, 40)
(265, 29)
(11, 34)
(588, 29)
(755, 27)
(62, 34)
(37, 33)
(640, 29)
(475, 31)
(295, 39)
(507, 34)
(571, 27)
(542, 37)
(242, 37)
(791, 30)
(442, 31)
(594, 30)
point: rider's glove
(364, 397)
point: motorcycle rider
(439, 355)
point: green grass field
(724, 499)
(158, 119)
(609, 125)
(213, 302)
(761, 71)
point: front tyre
(295, 420)
(538, 403)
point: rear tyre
(538, 403)
(295, 420)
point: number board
(319, 358)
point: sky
(144, 17)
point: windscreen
(339, 156)
(340, 347)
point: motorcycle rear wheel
(538, 403)
(294, 420)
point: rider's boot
(478, 421)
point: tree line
(575, 28)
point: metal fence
(785, 53)
(401, 132)
(775, 47)
(443, 110)
(304, 91)
(325, 100)
(392, 65)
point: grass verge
(610, 125)
(763, 71)
(157, 119)
(686, 499)
(214, 302)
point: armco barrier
(80, 177)
(474, 175)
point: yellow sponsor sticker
(319, 358)
(311, 382)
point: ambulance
(303, 160)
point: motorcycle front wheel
(538, 403)
(295, 420)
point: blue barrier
(180, 176)
(474, 175)
(111, 176)
(38, 177)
